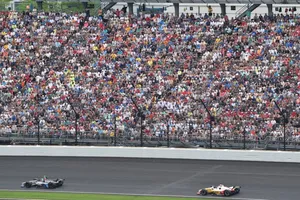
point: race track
(272, 181)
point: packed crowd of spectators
(156, 68)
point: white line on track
(132, 194)
(157, 191)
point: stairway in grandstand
(243, 11)
(107, 6)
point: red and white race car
(219, 190)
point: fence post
(210, 123)
(168, 136)
(244, 138)
(115, 135)
(283, 116)
(38, 131)
(141, 129)
(284, 134)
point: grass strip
(76, 196)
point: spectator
(161, 64)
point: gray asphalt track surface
(272, 181)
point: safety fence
(50, 137)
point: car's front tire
(203, 192)
(227, 193)
(27, 185)
(60, 183)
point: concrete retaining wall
(144, 152)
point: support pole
(39, 5)
(130, 6)
(176, 7)
(223, 9)
(270, 9)
(85, 4)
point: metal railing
(103, 4)
(242, 10)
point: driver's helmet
(44, 179)
(221, 185)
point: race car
(43, 183)
(220, 190)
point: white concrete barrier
(144, 152)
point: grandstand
(245, 7)
(193, 80)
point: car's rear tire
(203, 192)
(51, 185)
(227, 193)
(27, 185)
